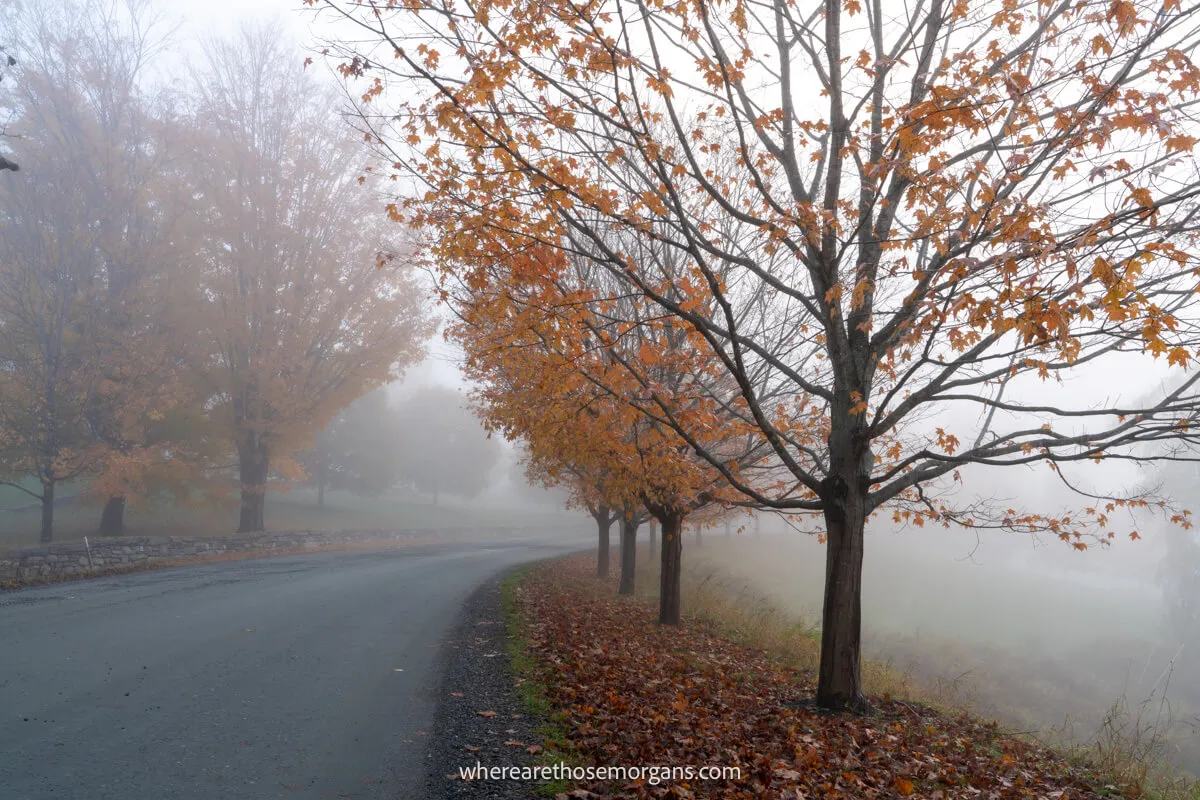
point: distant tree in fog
(186, 288)
(442, 447)
(357, 451)
(296, 320)
(90, 236)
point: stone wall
(67, 558)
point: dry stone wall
(68, 558)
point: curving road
(298, 677)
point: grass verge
(532, 682)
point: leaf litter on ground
(636, 693)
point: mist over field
(407, 457)
(1026, 630)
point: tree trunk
(47, 511)
(757, 525)
(604, 523)
(112, 518)
(629, 530)
(322, 469)
(253, 466)
(653, 537)
(839, 685)
(672, 564)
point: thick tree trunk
(253, 466)
(629, 530)
(653, 537)
(47, 511)
(839, 684)
(112, 518)
(672, 565)
(604, 546)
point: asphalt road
(297, 677)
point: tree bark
(669, 603)
(112, 518)
(322, 466)
(47, 511)
(629, 530)
(253, 466)
(653, 537)
(839, 684)
(604, 546)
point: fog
(207, 322)
(1044, 638)
(196, 337)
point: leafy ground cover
(634, 693)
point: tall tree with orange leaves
(91, 242)
(298, 313)
(939, 213)
(558, 373)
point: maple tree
(936, 215)
(555, 372)
(295, 318)
(91, 234)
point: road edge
(478, 676)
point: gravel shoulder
(479, 678)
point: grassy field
(294, 510)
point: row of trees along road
(188, 282)
(885, 236)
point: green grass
(551, 725)
(294, 510)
